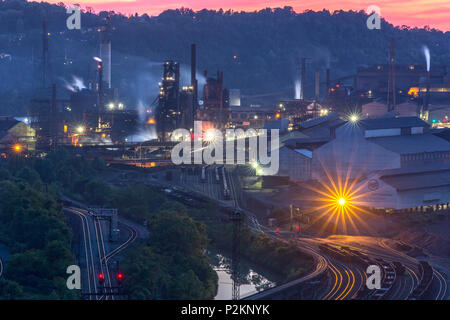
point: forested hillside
(259, 52)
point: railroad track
(103, 257)
(89, 255)
(442, 283)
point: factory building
(177, 107)
(216, 102)
(376, 109)
(397, 154)
(414, 189)
(438, 111)
(375, 78)
(252, 117)
(379, 144)
(168, 113)
(235, 98)
(16, 136)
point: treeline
(259, 51)
(33, 227)
(171, 265)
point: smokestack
(328, 83)
(105, 55)
(303, 79)
(53, 119)
(427, 96)
(316, 96)
(391, 80)
(220, 89)
(100, 93)
(194, 83)
(45, 60)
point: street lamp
(80, 129)
(354, 118)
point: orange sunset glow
(413, 13)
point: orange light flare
(17, 148)
(340, 202)
(151, 121)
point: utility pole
(303, 79)
(236, 219)
(291, 208)
(391, 77)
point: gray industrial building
(418, 188)
(394, 158)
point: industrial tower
(236, 219)
(168, 113)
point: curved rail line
(103, 257)
(443, 287)
(90, 267)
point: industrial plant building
(16, 136)
(395, 153)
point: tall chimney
(194, 82)
(303, 79)
(391, 77)
(53, 120)
(427, 94)
(328, 83)
(316, 96)
(100, 93)
(105, 55)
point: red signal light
(278, 229)
(298, 228)
(120, 276)
(101, 277)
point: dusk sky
(415, 13)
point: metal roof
(416, 169)
(7, 123)
(410, 144)
(304, 152)
(317, 121)
(390, 123)
(422, 180)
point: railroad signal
(297, 228)
(101, 278)
(120, 277)
(277, 229)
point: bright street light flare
(354, 118)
